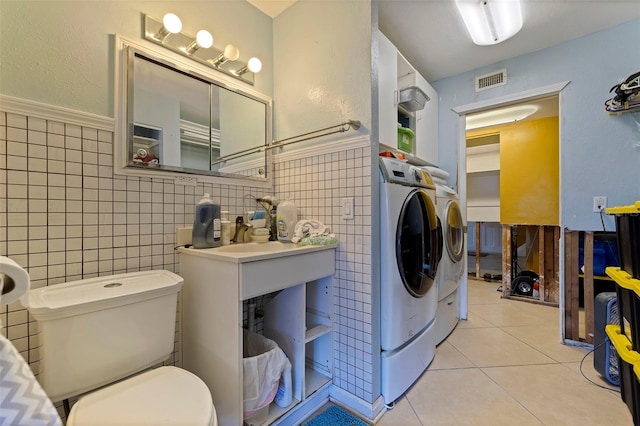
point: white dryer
(410, 252)
(451, 268)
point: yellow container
(629, 367)
(628, 236)
(628, 293)
(405, 139)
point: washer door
(454, 231)
(417, 249)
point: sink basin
(251, 252)
(259, 268)
(268, 247)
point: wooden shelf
(276, 412)
(143, 142)
(598, 277)
(314, 380)
(316, 330)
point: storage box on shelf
(405, 139)
(628, 292)
(629, 367)
(628, 234)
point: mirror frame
(186, 176)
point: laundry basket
(263, 363)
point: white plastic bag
(263, 363)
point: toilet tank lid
(93, 294)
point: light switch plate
(348, 207)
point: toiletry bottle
(287, 219)
(225, 228)
(206, 225)
(273, 224)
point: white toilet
(97, 331)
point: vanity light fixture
(171, 24)
(491, 21)
(203, 39)
(168, 34)
(254, 65)
(231, 53)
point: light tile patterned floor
(505, 365)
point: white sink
(250, 252)
(268, 247)
(260, 268)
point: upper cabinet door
(387, 91)
(426, 144)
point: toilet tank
(99, 330)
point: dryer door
(454, 231)
(417, 244)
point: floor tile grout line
(517, 400)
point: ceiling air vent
(488, 81)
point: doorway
(510, 142)
(551, 91)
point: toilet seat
(163, 396)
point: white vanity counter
(298, 318)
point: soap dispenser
(206, 231)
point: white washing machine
(451, 268)
(410, 252)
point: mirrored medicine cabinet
(181, 119)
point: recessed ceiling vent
(489, 81)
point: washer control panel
(403, 173)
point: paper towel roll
(14, 282)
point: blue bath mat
(335, 416)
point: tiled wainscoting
(64, 216)
(318, 184)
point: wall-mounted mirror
(183, 121)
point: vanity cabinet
(297, 316)
(308, 343)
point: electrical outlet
(599, 204)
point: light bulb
(231, 52)
(204, 39)
(172, 23)
(254, 64)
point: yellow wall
(529, 171)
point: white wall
(599, 153)
(322, 76)
(61, 52)
(322, 66)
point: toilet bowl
(102, 337)
(163, 396)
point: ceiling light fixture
(491, 21)
(168, 34)
(500, 116)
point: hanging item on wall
(627, 96)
